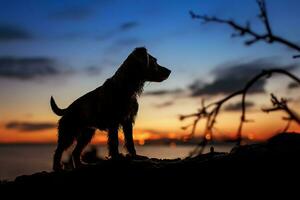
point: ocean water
(16, 160)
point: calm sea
(19, 159)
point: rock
(280, 153)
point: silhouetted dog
(110, 106)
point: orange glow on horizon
(208, 137)
(226, 128)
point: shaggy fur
(109, 107)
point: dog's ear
(140, 51)
(142, 55)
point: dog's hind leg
(83, 139)
(65, 140)
(113, 143)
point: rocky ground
(278, 158)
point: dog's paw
(117, 157)
(57, 167)
(81, 165)
(137, 157)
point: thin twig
(281, 105)
(241, 30)
(215, 107)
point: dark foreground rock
(278, 158)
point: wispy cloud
(73, 13)
(293, 85)
(29, 68)
(30, 126)
(165, 104)
(128, 25)
(232, 77)
(12, 32)
(154, 132)
(176, 91)
(124, 27)
(238, 106)
(119, 43)
(93, 70)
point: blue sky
(84, 33)
(88, 40)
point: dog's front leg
(129, 144)
(113, 142)
(127, 129)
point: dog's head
(148, 67)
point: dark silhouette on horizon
(108, 107)
(265, 163)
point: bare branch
(240, 30)
(264, 16)
(296, 56)
(211, 111)
(281, 105)
(286, 128)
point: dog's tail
(58, 111)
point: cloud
(93, 70)
(124, 27)
(293, 85)
(234, 76)
(238, 106)
(30, 126)
(165, 104)
(28, 68)
(128, 25)
(73, 13)
(39, 67)
(10, 33)
(163, 92)
(153, 131)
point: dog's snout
(167, 71)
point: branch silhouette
(240, 30)
(211, 111)
(282, 105)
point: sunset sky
(66, 48)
